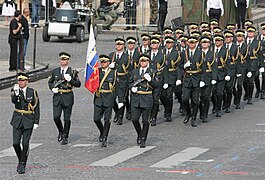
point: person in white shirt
(241, 6)
(215, 9)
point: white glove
(120, 105)
(55, 90)
(202, 84)
(165, 86)
(134, 89)
(112, 65)
(213, 82)
(249, 74)
(238, 75)
(147, 77)
(178, 82)
(187, 64)
(35, 126)
(227, 78)
(67, 77)
(16, 89)
(261, 70)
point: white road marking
(122, 156)
(260, 124)
(85, 145)
(10, 151)
(179, 158)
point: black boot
(138, 129)
(17, 149)
(153, 123)
(227, 109)
(262, 95)
(21, 168)
(218, 105)
(60, 136)
(100, 128)
(64, 140)
(119, 122)
(128, 116)
(105, 134)
(144, 135)
(115, 119)
(194, 115)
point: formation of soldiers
(203, 64)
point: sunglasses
(64, 59)
(22, 80)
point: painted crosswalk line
(10, 151)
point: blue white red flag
(92, 71)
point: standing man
(241, 6)
(215, 9)
(61, 83)
(120, 61)
(192, 61)
(104, 98)
(153, 11)
(13, 38)
(25, 118)
(162, 15)
(36, 7)
(142, 84)
(25, 34)
(130, 14)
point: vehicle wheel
(60, 37)
(45, 35)
(80, 34)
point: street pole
(34, 47)
(46, 11)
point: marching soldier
(145, 48)
(142, 84)
(233, 54)
(157, 63)
(241, 67)
(104, 98)
(262, 62)
(221, 55)
(210, 77)
(204, 26)
(170, 76)
(192, 61)
(213, 23)
(61, 83)
(252, 61)
(193, 27)
(25, 118)
(161, 41)
(120, 61)
(178, 32)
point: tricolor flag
(92, 71)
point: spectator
(241, 6)
(36, 7)
(130, 6)
(162, 14)
(215, 9)
(8, 10)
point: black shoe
(186, 120)
(119, 121)
(214, 111)
(21, 168)
(193, 122)
(238, 106)
(139, 140)
(101, 137)
(224, 107)
(262, 95)
(153, 123)
(249, 101)
(204, 120)
(168, 119)
(257, 94)
(64, 140)
(60, 136)
(115, 119)
(104, 142)
(129, 116)
(227, 110)
(245, 98)
(142, 145)
(127, 28)
(218, 113)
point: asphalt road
(231, 147)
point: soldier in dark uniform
(142, 84)
(161, 47)
(192, 61)
(233, 55)
(193, 27)
(145, 48)
(213, 23)
(178, 32)
(157, 63)
(252, 61)
(204, 26)
(162, 15)
(104, 98)
(241, 67)
(170, 76)
(120, 61)
(61, 83)
(221, 56)
(25, 118)
(210, 77)
(262, 60)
